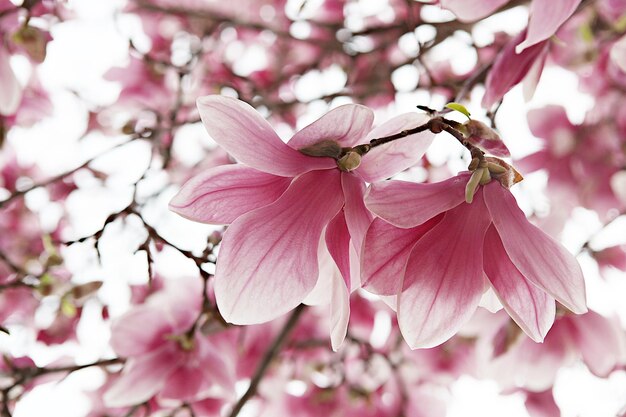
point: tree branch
(268, 357)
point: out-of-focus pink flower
(436, 259)
(546, 16)
(541, 404)
(597, 340)
(163, 356)
(472, 10)
(9, 85)
(613, 256)
(580, 161)
(281, 200)
(510, 68)
(618, 53)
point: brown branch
(63, 175)
(267, 359)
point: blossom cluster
(284, 207)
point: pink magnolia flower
(280, 201)
(580, 160)
(162, 356)
(441, 258)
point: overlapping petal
(345, 125)
(387, 160)
(338, 243)
(444, 282)
(358, 217)
(509, 68)
(531, 308)
(408, 204)
(243, 133)
(268, 259)
(536, 255)
(220, 195)
(339, 311)
(385, 252)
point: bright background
(85, 48)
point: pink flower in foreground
(162, 357)
(440, 254)
(279, 201)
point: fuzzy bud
(349, 161)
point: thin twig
(268, 357)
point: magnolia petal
(546, 16)
(509, 69)
(358, 217)
(472, 10)
(443, 281)
(387, 160)
(247, 136)
(531, 308)
(142, 378)
(408, 204)
(598, 340)
(221, 194)
(11, 95)
(338, 243)
(385, 252)
(345, 125)
(327, 270)
(541, 259)
(139, 330)
(339, 312)
(268, 258)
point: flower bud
(349, 161)
(484, 137)
(326, 147)
(34, 42)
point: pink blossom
(436, 259)
(279, 202)
(162, 355)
